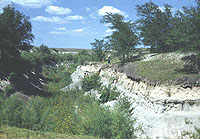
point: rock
(4, 84)
(161, 108)
(76, 85)
(93, 93)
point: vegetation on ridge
(34, 99)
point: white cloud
(59, 32)
(110, 9)
(26, 3)
(75, 17)
(87, 9)
(57, 10)
(71, 32)
(61, 28)
(55, 19)
(33, 3)
(79, 30)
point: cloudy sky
(76, 23)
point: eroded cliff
(163, 109)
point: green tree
(155, 25)
(185, 29)
(15, 36)
(39, 57)
(123, 39)
(98, 48)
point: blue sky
(76, 23)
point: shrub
(33, 112)
(91, 82)
(68, 57)
(69, 112)
(109, 94)
(57, 117)
(96, 120)
(122, 125)
(39, 57)
(12, 109)
(123, 122)
(57, 77)
(192, 64)
(84, 56)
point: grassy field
(7, 132)
(163, 67)
(159, 69)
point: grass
(162, 69)
(7, 132)
(57, 78)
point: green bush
(56, 77)
(57, 117)
(11, 112)
(68, 57)
(91, 82)
(97, 120)
(123, 122)
(108, 94)
(69, 112)
(39, 57)
(33, 112)
(122, 125)
(84, 56)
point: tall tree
(123, 39)
(185, 33)
(155, 25)
(15, 36)
(98, 47)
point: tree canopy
(98, 47)
(123, 39)
(164, 31)
(15, 36)
(155, 25)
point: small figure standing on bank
(108, 59)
